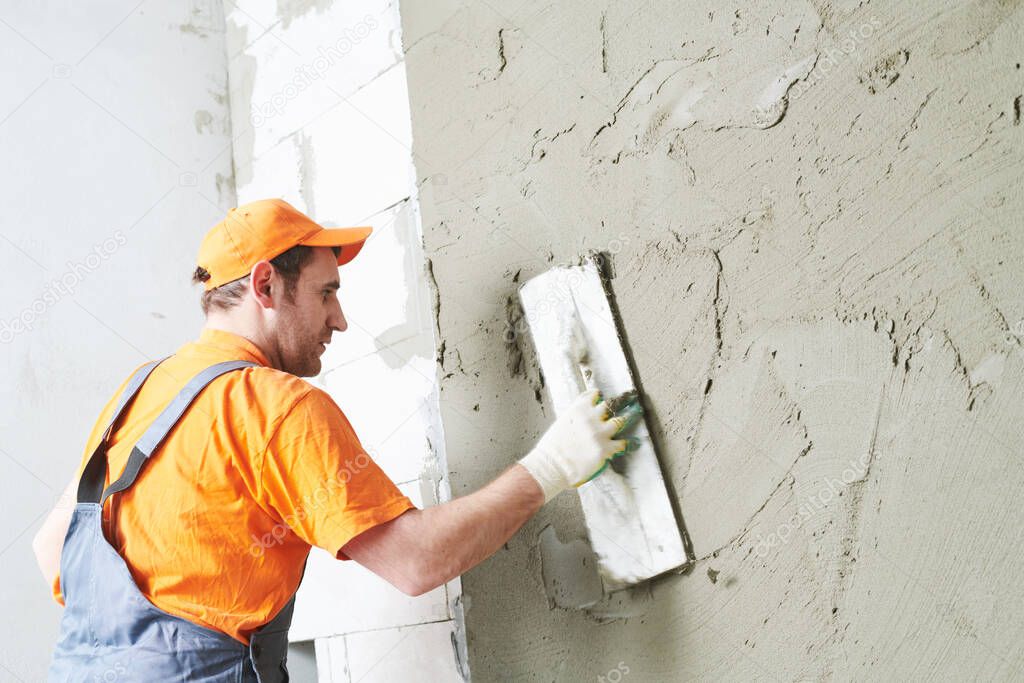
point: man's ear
(263, 282)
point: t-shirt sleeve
(55, 590)
(318, 477)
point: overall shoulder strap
(91, 483)
(166, 420)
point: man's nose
(337, 321)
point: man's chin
(311, 368)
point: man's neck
(225, 324)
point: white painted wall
(320, 117)
(114, 140)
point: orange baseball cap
(264, 229)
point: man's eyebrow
(331, 286)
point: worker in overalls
(182, 538)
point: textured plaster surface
(814, 214)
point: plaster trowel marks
(570, 572)
(676, 94)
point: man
(230, 467)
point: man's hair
(288, 265)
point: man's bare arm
(423, 549)
(49, 540)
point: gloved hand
(579, 445)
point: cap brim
(350, 240)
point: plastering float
(629, 516)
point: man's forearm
(426, 548)
(422, 549)
(466, 531)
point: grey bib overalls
(109, 630)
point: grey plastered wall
(814, 213)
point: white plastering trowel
(629, 517)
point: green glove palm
(624, 419)
(581, 443)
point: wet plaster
(569, 569)
(290, 10)
(307, 169)
(813, 211)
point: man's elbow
(413, 590)
(416, 582)
(421, 577)
(403, 554)
(37, 546)
(44, 556)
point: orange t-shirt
(261, 466)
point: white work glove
(579, 445)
